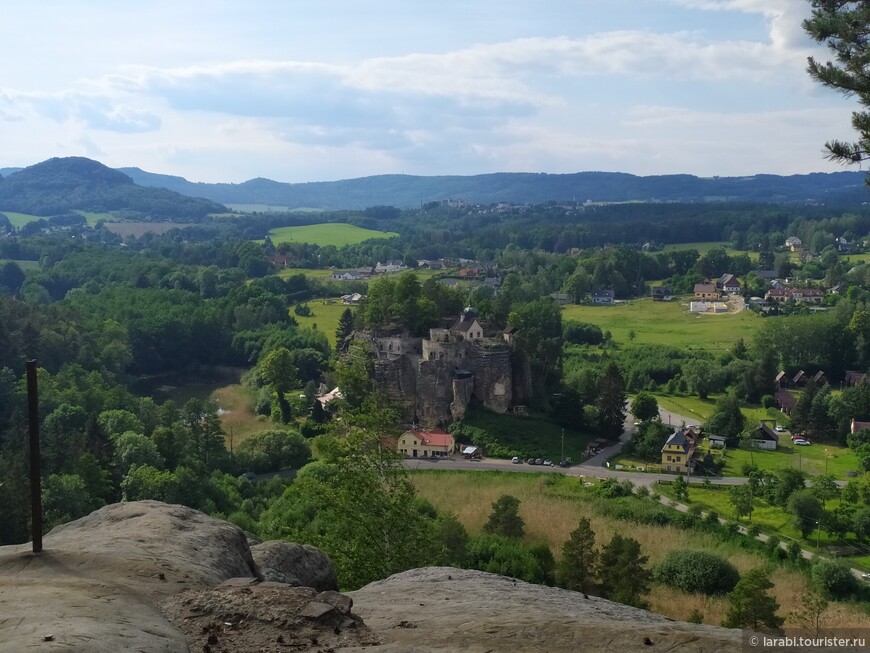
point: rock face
(105, 583)
(445, 609)
(299, 565)
(151, 577)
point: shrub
(753, 530)
(697, 572)
(834, 578)
(510, 557)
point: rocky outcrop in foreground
(147, 576)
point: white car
(516, 460)
(778, 429)
(802, 443)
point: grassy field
(531, 436)
(325, 314)
(237, 417)
(321, 274)
(813, 460)
(18, 220)
(666, 323)
(336, 234)
(93, 218)
(704, 247)
(551, 505)
(26, 265)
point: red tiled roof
(435, 437)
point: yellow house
(428, 444)
(678, 451)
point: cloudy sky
(295, 91)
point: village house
(509, 333)
(793, 243)
(728, 283)
(706, 291)
(764, 437)
(662, 293)
(806, 295)
(346, 275)
(467, 326)
(800, 379)
(426, 444)
(854, 377)
(678, 451)
(602, 296)
(781, 381)
(390, 266)
(858, 426)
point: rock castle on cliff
(434, 379)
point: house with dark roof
(662, 293)
(728, 283)
(468, 325)
(509, 333)
(786, 401)
(854, 377)
(706, 291)
(858, 426)
(602, 296)
(678, 451)
(800, 379)
(820, 378)
(780, 382)
(764, 437)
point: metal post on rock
(35, 470)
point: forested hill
(60, 186)
(407, 191)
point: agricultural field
(551, 506)
(666, 323)
(18, 220)
(325, 314)
(94, 218)
(320, 274)
(335, 234)
(26, 265)
(704, 247)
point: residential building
(820, 378)
(781, 381)
(764, 437)
(662, 293)
(346, 275)
(390, 266)
(793, 243)
(854, 377)
(728, 283)
(426, 444)
(800, 379)
(602, 296)
(706, 291)
(806, 295)
(468, 325)
(678, 451)
(859, 426)
(509, 333)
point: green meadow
(18, 220)
(666, 323)
(335, 234)
(325, 314)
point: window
(669, 460)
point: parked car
(778, 428)
(564, 463)
(802, 443)
(539, 461)
(548, 463)
(865, 576)
(530, 461)
(516, 460)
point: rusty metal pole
(35, 470)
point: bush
(767, 401)
(753, 530)
(697, 572)
(510, 557)
(834, 578)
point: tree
(842, 26)
(270, 451)
(740, 497)
(750, 606)
(276, 368)
(539, 333)
(505, 519)
(727, 419)
(611, 402)
(622, 576)
(810, 613)
(680, 488)
(345, 326)
(834, 578)
(644, 406)
(65, 497)
(577, 568)
(806, 509)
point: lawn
(336, 234)
(26, 265)
(325, 314)
(551, 506)
(532, 436)
(813, 460)
(319, 274)
(666, 323)
(93, 218)
(704, 247)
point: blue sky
(333, 89)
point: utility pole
(563, 446)
(818, 535)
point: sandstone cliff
(147, 576)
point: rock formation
(150, 577)
(434, 379)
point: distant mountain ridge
(63, 185)
(406, 191)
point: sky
(297, 91)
